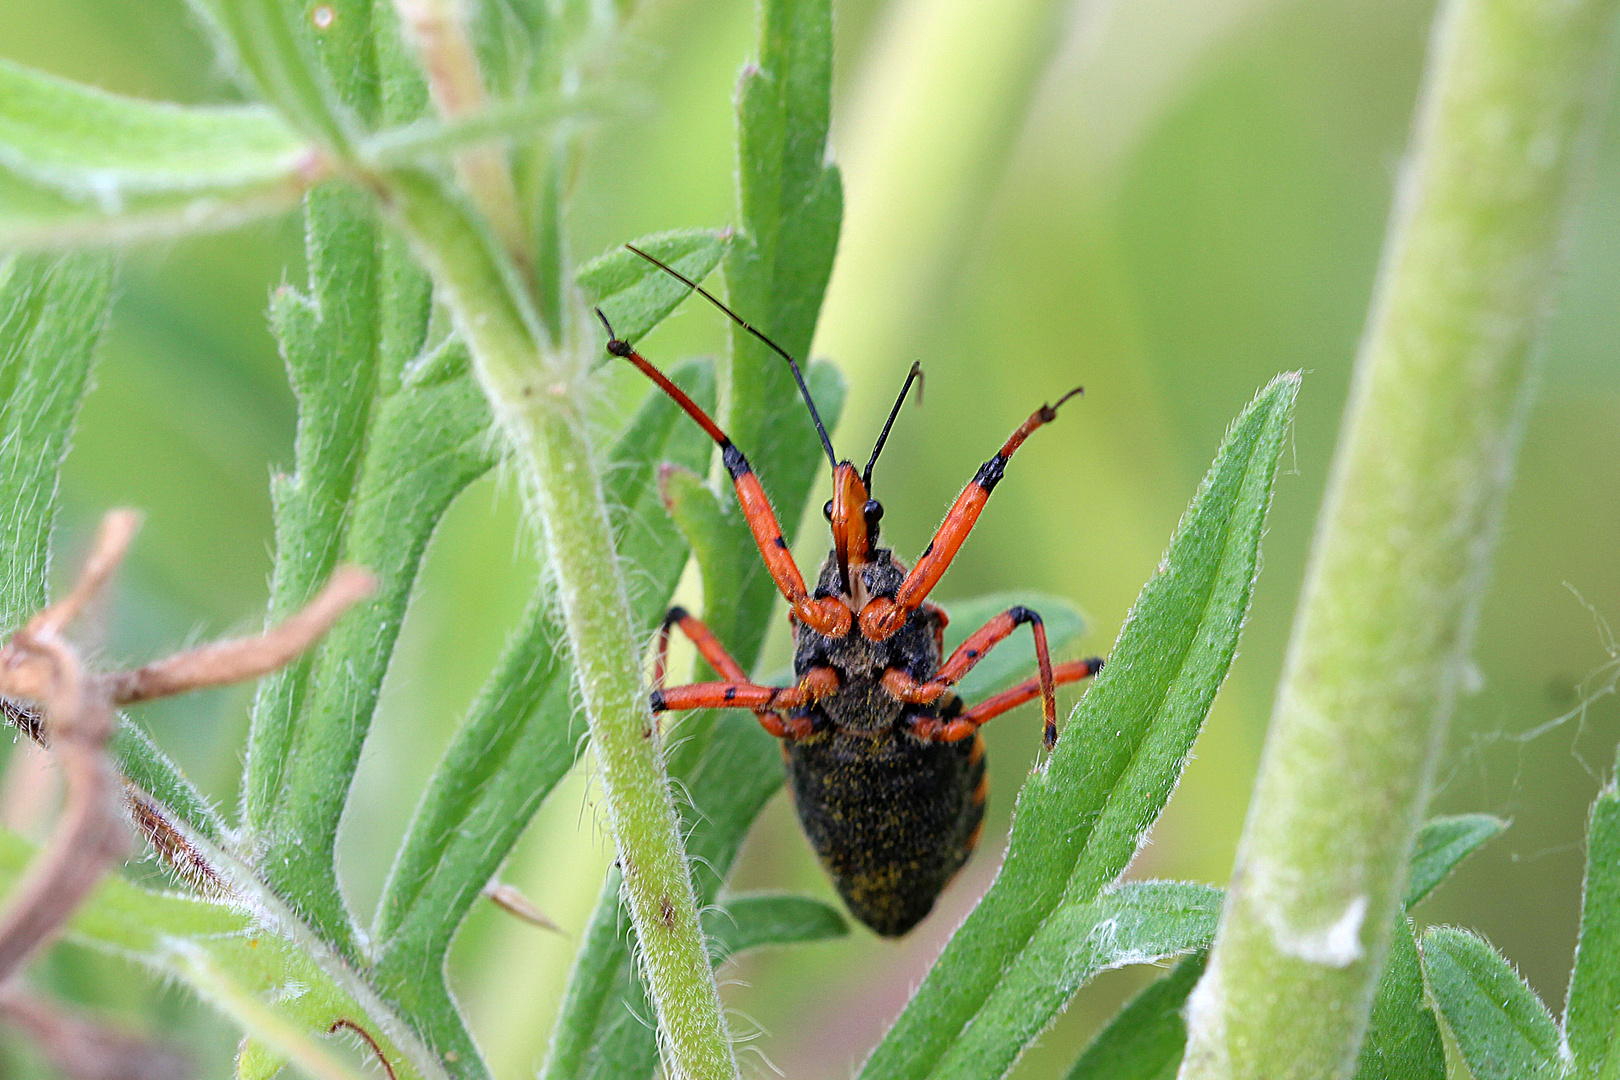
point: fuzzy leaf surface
(1081, 817)
(1594, 987)
(78, 163)
(1136, 923)
(1145, 1041)
(51, 315)
(754, 920)
(634, 294)
(1403, 1038)
(1442, 843)
(1502, 1028)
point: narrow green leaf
(1403, 1037)
(753, 920)
(77, 162)
(1501, 1026)
(51, 315)
(633, 293)
(413, 468)
(1144, 1042)
(1592, 1017)
(1441, 845)
(1081, 818)
(1136, 923)
(1014, 659)
(330, 341)
(86, 142)
(601, 1031)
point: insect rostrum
(884, 760)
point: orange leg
(764, 700)
(991, 707)
(968, 654)
(882, 617)
(708, 646)
(829, 615)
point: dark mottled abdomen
(892, 818)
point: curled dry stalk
(74, 716)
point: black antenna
(915, 376)
(821, 430)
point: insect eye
(826, 511)
(873, 510)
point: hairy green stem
(534, 395)
(1382, 639)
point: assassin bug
(885, 762)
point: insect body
(884, 760)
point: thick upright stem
(535, 397)
(1382, 640)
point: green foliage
(51, 314)
(1502, 1029)
(1138, 922)
(1594, 986)
(443, 329)
(1403, 1038)
(80, 164)
(634, 294)
(1441, 845)
(1148, 1036)
(1082, 817)
(1144, 1042)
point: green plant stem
(1382, 639)
(533, 393)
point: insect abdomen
(892, 818)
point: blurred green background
(1168, 200)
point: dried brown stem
(226, 662)
(90, 835)
(84, 1049)
(118, 528)
(77, 720)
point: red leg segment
(829, 615)
(708, 647)
(764, 700)
(882, 617)
(992, 707)
(969, 653)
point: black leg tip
(656, 701)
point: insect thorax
(861, 703)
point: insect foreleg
(881, 618)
